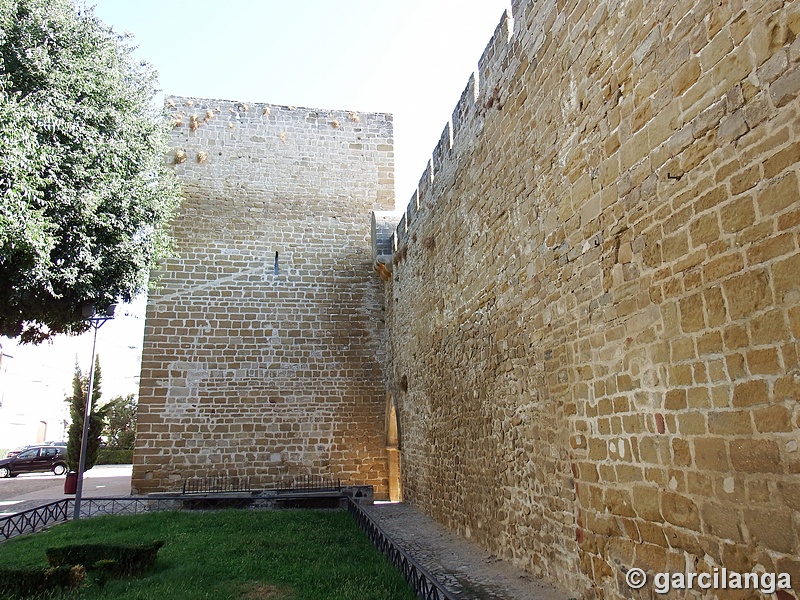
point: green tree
(85, 193)
(120, 430)
(77, 410)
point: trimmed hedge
(24, 583)
(111, 456)
(109, 560)
(69, 566)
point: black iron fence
(97, 507)
(310, 483)
(216, 484)
(421, 581)
(34, 519)
(40, 517)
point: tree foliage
(77, 410)
(85, 194)
(120, 430)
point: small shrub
(24, 583)
(111, 456)
(112, 560)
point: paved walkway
(464, 568)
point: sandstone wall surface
(594, 312)
(262, 352)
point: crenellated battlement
(482, 94)
(491, 66)
(442, 153)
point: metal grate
(221, 483)
(421, 581)
(310, 483)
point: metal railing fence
(33, 519)
(310, 483)
(40, 517)
(424, 584)
(216, 484)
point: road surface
(28, 490)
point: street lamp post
(96, 320)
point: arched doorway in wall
(393, 450)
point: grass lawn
(252, 555)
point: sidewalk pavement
(464, 568)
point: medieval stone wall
(262, 352)
(594, 311)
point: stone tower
(262, 351)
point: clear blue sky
(411, 58)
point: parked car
(15, 451)
(34, 460)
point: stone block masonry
(262, 352)
(594, 310)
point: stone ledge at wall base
(266, 499)
(360, 494)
